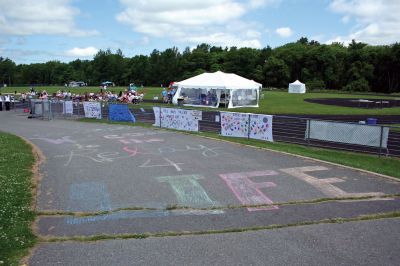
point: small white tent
(211, 89)
(297, 87)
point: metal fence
(380, 139)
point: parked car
(77, 84)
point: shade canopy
(211, 89)
(297, 87)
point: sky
(36, 31)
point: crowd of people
(127, 96)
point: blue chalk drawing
(120, 112)
(89, 196)
(188, 190)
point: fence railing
(346, 136)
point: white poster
(347, 133)
(234, 124)
(92, 109)
(261, 127)
(68, 107)
(180, 119)
(156, 116)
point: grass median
(16, 186)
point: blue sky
(64, 30)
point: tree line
(356, 67)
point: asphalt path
(113, 180)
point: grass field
(273, 102)
(16, 160)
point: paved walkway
(110, 180)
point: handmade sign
(68, 107)
(234, 124)
(180, 119)
(92, 109)
(261, 127)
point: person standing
(7, 100)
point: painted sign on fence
(179, 119)
(234, 124)
(92, 109)
(120, 112)
(261, 127)
(68, 107)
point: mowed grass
(16, 215)
(273, 102)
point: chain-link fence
(357, 136)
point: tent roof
(219, 80)
(296, 83)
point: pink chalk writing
(247, 191)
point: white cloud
(194, 21)
(284, 32)
(24, 17)
(376, 21)
(262, 3)
(82, 52)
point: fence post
(248, 128)
(308, 131)
(380, 142)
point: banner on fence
(120, 112)
(68, 107)
(234, 124)
(157, 111)
(347, 133)
(37, 107)
(261, 127)
(180, 119)
(92, 109)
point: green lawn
(16, 215)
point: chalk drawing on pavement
(205, 151)
(188, 191)
(325, 184)
(168, 164)
(140, 141)
(92, 152)
(65, 139)
(89, 196)
(247, 191)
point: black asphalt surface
(143, 177)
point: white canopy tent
(297, 87)
(213, 89)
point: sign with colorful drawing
(261, 127)
(234, 124)
(178, 119)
